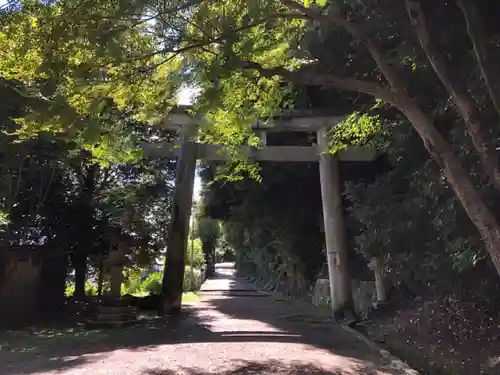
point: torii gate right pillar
(335, 233)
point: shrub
(90, 289)
(153, 283)
(194, 284)
(198, 258)
(131, 280)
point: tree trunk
(85, 209)
(480, 137)
(477, 35)
(53, 282)
(464, 189)
(80, 265)
(100, 277)
(3, 267)
(399, 97)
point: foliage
(357, 129)
(131, 280)
(190, 297)
(409, 213)
(70, 64)
(194, 283)
(272, 234)
(153, 283)
(209, 233)
(195, 256)
(90, 289)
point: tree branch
(466, 108)
(302, 76)
(478, 38)
(358, 33)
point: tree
(71, 57)
(234, 43)
(208, 232)
(240, 53)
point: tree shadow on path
(260, 368)
(221, 320)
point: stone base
(92, 324)
(112, 313)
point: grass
(140, 293)
(190, 297)
(187, 297)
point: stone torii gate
(331, 189)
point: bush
(90, 289)
(153, 283)
(198, 258)
(194, 284)
(131, 280)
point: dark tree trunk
(101, 276)
(85, 210)
(53, 283)
(80, 265)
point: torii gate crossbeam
(331, 194)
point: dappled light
(235, 333)
(265, 368)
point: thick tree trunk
(100, 277)
(80, 265)
(53, 282)
(489, 67)
(466, 192)
(85, 209)
(480, 137)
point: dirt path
(241, 332)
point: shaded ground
(443, 334)
(241, 332)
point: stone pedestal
(116, 281)
(112, 313)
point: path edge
(395, 362)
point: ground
(231, 330)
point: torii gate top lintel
(292, 121)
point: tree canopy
(399, 64)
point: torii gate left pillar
(178, 233)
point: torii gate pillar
(178, 233)
(335, 233)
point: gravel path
(240, 333)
